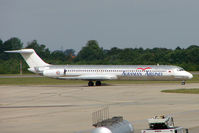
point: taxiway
(68, 108)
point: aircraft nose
(190, 76)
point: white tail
(30, 56)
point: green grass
(49, 81)
(138, 82)
(195, 79)
(38, 81)
(185, 91)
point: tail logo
(143, 69)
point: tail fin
(30, 56)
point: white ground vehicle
(162, 124)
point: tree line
(92, 53)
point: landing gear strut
(90, 83)
(98, 83)
(183, 82)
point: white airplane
(100, 73)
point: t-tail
(31, 58)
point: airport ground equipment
(104, 124)
(163, 124)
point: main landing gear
(90, 83)
(97, 83)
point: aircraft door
(65, 71)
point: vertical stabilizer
(30, 56)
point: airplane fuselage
(99, 73)
(111, 72)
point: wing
(91, 77)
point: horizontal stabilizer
(21, 51)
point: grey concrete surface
(194, 130)
(68, 108)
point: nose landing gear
(183, 82)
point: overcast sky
(65, 24)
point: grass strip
(185, 91)
(50, 81)
(38, 81)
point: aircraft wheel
(98, 83)
(183, 83)
(90, 83)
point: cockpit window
(181, 69)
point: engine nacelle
(53, 72)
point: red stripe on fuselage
(144, 68)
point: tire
(90, 83)
(98, 83)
